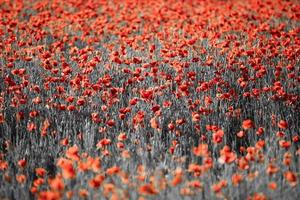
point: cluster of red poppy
(165, 98)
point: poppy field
(150, 99)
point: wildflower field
(150, 99)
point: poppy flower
(154, 123)
(291, 178)
(257, 196)
(68, 170)
(282, 124)
(296, 138)
(104, 142)
(22, 163)
(272, 186)
(201, 150)
(272, 169)
(31, 127)
(81, 101)
(139, 118)
(41, 172)
(195, 117)
(83, 193)
(171, 126)
(167, 104)
(64, 142)
(219, 186)
(21, 178)
(2, 120)
(94, 164)
(147, 189)
(243, 163)
(260, 131)
(284, 144)
(236, 179)
(49, 195)
(196, 169)
(45, 127)
(186, 191)
(241, 134)
(218, 136)
(122, 136)
(195, 184)
(260, 144)
(72, 153)
(247, 124)
(57, 183)
(110, 122)
(177, 179)
(227, 156)
(147, 94)
(95, 117)
(33, 190)
(113, 170)
(96, 181)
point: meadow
(150, 99)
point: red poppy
(22, 163)
(272, 186)
(68, 170)
(218, 136)
(57, 183)
(219, 186)
(201, 150)
(40, 172)
(147, 94)
(282, 124)
(21, 178)
(154, 123)
(104, 142)
(291, 178)
(96, 181)
(284, 144)
(72, 153)
(147, 189)
(227, 156)
(236, 179)
(272, 169)
(247, 124)
(113, 170)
